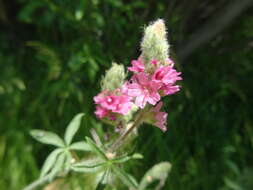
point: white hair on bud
(154, 44)
(114, 77)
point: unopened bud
(114, 77)
(154, 45)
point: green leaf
(158, 172)
(72, 128)
(232, 185)
(96, 149)
(103, 181)
(126, 158)
(58, 165)
(121, 159)
(86, 170)
(68, 161)
(88, 166)
(137, 156)
(125, 178)
(50, 161)
(47, 137)
(82, 146)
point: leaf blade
(72, 128)
(96, 149)
(49, 162)
(58, 165)
(47, 137)
(157, 172)
(125, 178)
(88, 166)
(81, 146)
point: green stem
(120, 141)
(115, 146)
(39, 182)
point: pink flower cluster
(109, 104)
(143, 88)
(148, 88)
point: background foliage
(52, 56)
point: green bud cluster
(114, 77)
(154, 44)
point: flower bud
(154, 45)
(114, 77)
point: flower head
(153, 76)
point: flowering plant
(125, 104)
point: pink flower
(124, 105)
(108, 102)
(101, 112)
(168, 76)
(160, 117)
(137, 66)
(112, 102)
(170, 89)
(143, 89)
(170, 62)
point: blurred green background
(54, 52)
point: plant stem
(116, 145)
(121, 139)
(37, 183)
